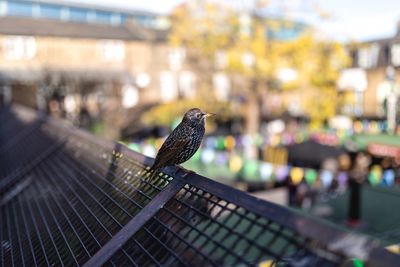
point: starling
(184, 140)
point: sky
(361, 19)
(349, 19)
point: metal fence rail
(68, 198)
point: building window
(112, 50)
(187, 84)
(368, 56)
(144, 20)
(395, 52)
(77, 14)
(50, 12)
(221, 86)
(3, 8)
(19, 47)
(176, 57)
(19, 9)
(124, 18)
(221, 60)
(35, 10)
(116, 19)
(130, 96)
(64, 13)
(91, 16)
(143, 80)
(103, 17)
(169, 90)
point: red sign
(384, 150)
(326, 139)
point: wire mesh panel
(73, 201)
(70, 199)
(33, 146)
(16, 132)
(13, 121)
(70, 210)
(67, 213)
(196, 228)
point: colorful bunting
(358, 127)
(210, 142)
(235, 163)
(389, 177)
(326, 177)
(246, 140)
(281, 173)
(266, 171)
(296, 175)
(375, 175)
(311, 176)
(251, 169)
(220, 143)
(221, 159)
(255, 170)
(342, 179)
(229, 142)
(207, 156)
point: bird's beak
(206, 114)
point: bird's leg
(186, 171)
(153, 174)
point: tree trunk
(252, 119)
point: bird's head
(196, 116)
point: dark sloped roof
(43, 27)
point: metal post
(357, 177)
(354, 214)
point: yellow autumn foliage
(214, 27)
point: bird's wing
(172, 146)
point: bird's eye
(198, 115)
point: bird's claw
(185, 171)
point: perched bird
(184, 140)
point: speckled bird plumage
(184, 140)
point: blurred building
(373, 81)
(82, 60)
